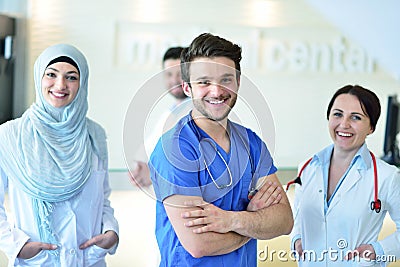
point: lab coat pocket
(94, 254)
(39, 260)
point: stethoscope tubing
(376, 204)
(200, 138)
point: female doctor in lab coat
(53, 164)
(334, 222)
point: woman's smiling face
(348, 123)
(60, 84)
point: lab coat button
(72, 251)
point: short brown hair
(208, 45)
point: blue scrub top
(177, 167)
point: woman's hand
(298, 247)
(105, 241)
(31, 249)
(365, 251)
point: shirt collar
(365, 157)
(362, 158)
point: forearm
(109, 222)
(11, 242)
(266, 223)
(296, 231)
(200, 244)
(207, 243)
(11, 239)
(391, 244)
(213, 244)
(264, 219)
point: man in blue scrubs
(204, 169)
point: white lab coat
(75, 221)
(349, 221)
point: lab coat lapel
(351, 179)
(319, 181)
(313, 188)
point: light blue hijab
(48, 152)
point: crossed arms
(206, 230)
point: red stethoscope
(375, 205)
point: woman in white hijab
(53, 164)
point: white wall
(13, 7)
(296, 85)
(378, 19)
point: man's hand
(269, 194)
(210, 218)
(140, 175)
(31, 249)
(105, 241)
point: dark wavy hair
(369, 101)
(172, 53)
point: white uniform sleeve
(297, 216)
(110, 223)
(11, 239)
(296, 231)
(391, 244)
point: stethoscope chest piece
(376, 205)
